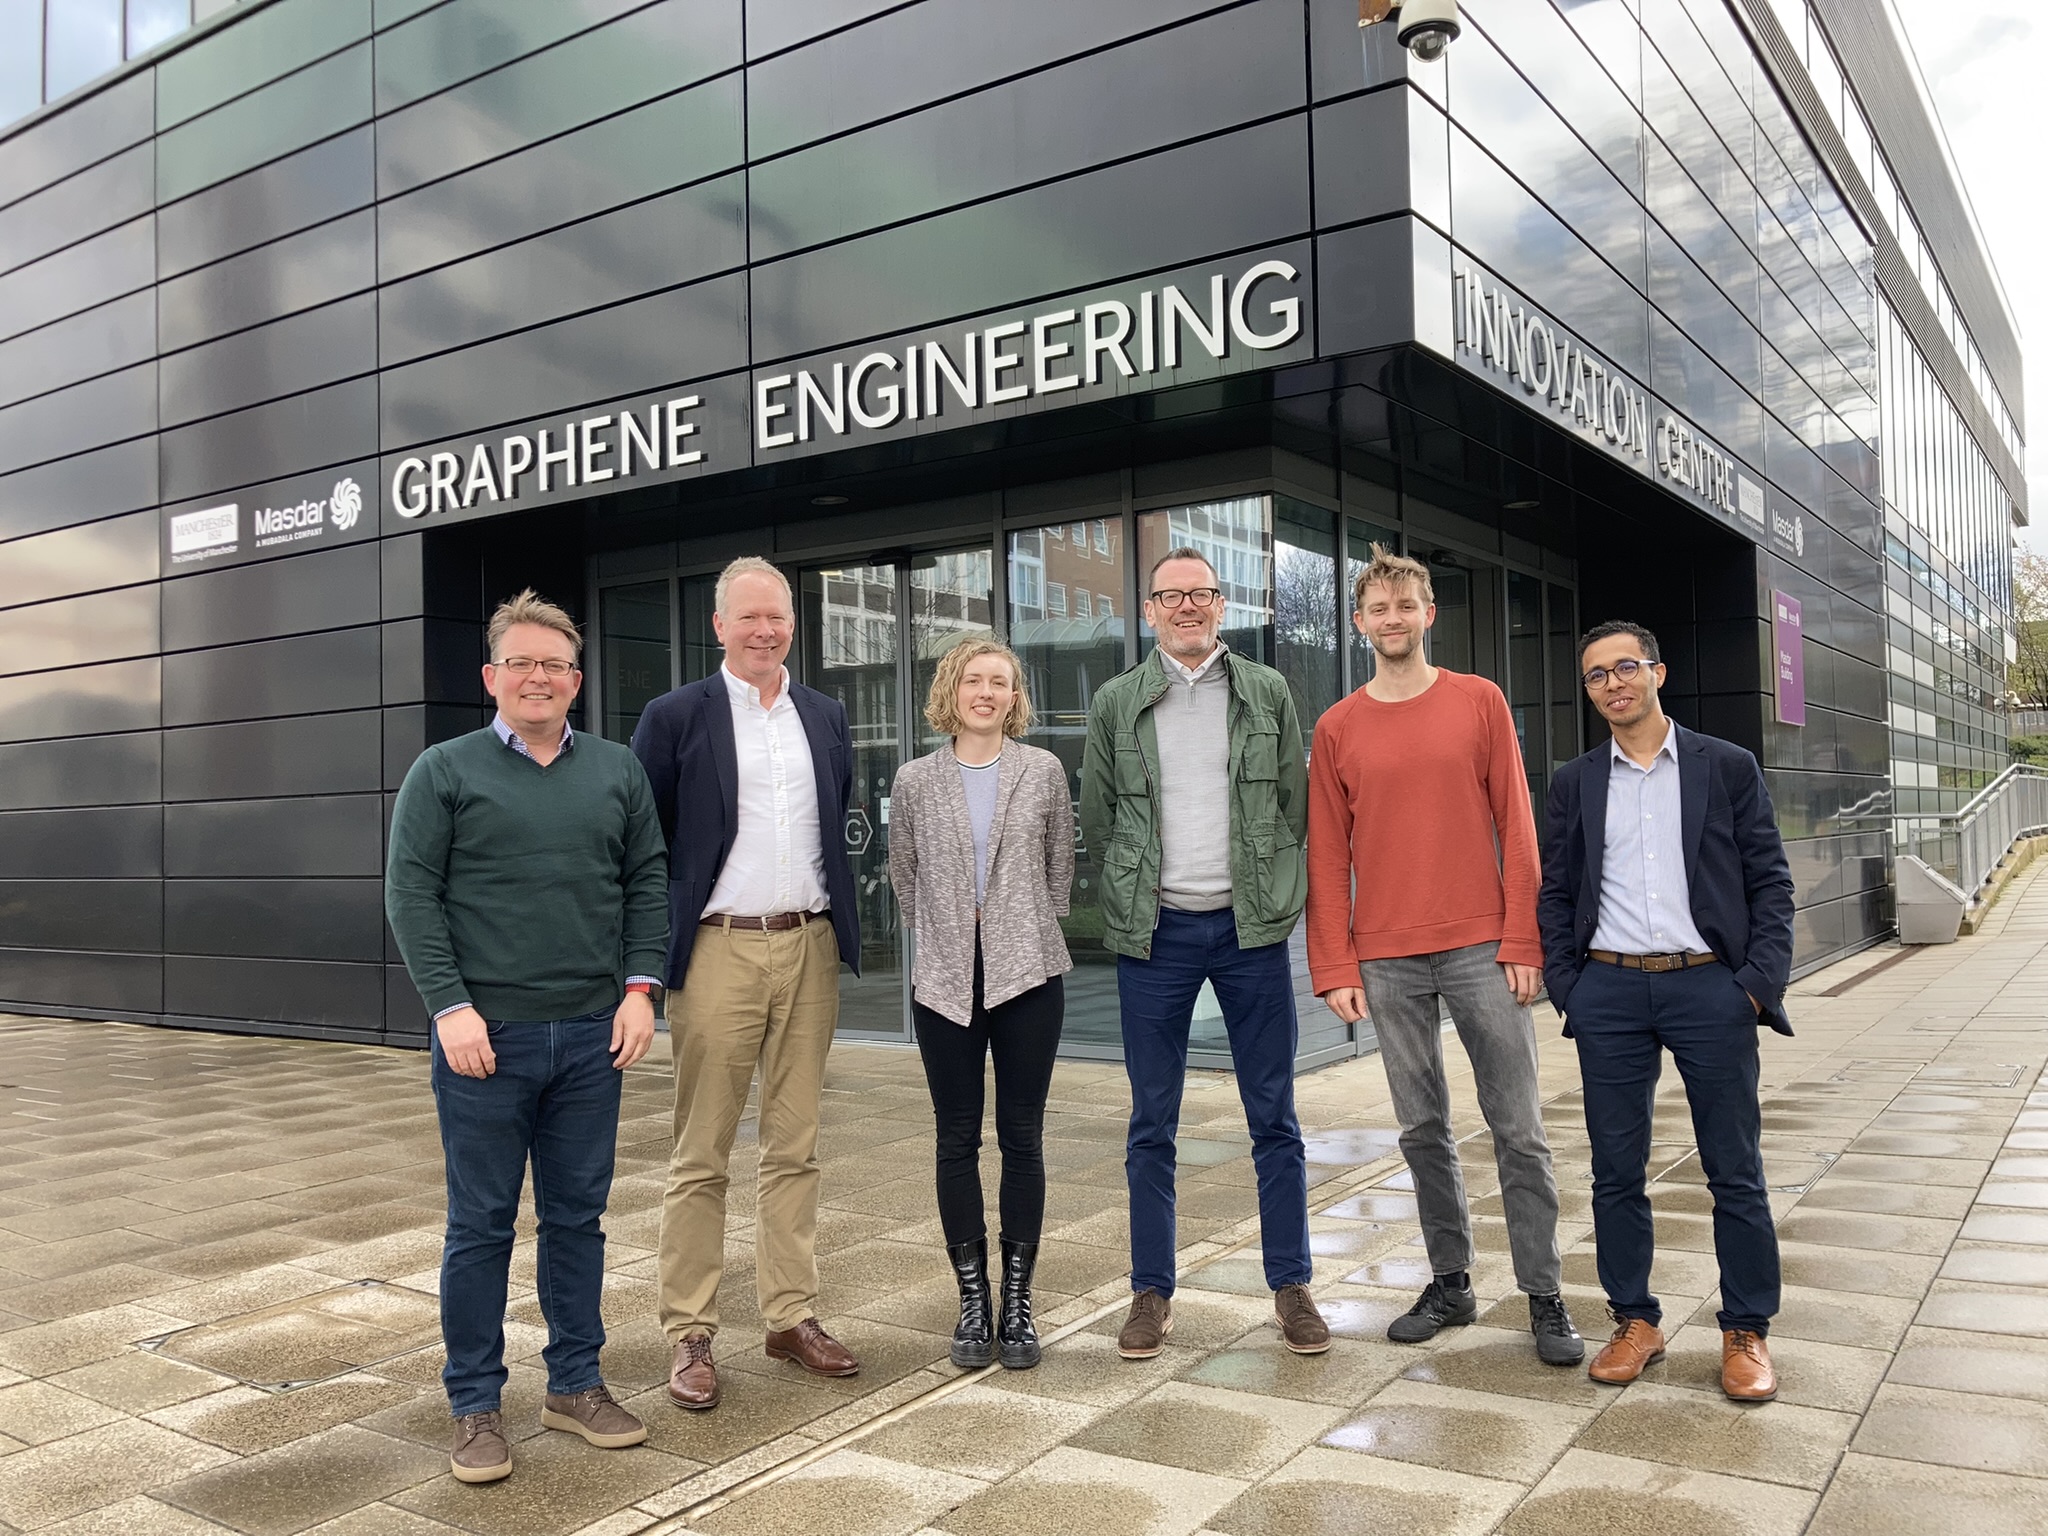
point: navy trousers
(1623, 1021)
(1256, 989)
(554, 1100)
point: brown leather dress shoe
(1637, 1342)
(1747, 1375)
(812, 1348)
(692, 1378)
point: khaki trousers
(766, 999)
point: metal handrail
(1967, 845)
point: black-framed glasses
(1173, 597)
(522, 666)
(1626, 671)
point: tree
(2027, 678)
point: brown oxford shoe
(1747, 1375)
(812, 1348)
(1637, 1343)
(692, 1378)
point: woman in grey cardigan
(981, 852)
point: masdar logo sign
(344, 504)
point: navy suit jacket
(1735, 869)
(685, 742)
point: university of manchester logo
(345, 504)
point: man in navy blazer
(751, 773)
(1666, 915)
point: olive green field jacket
(1120, 775)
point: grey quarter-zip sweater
(1193, 721)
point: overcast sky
(1986, 63)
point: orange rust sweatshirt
(1428, 801)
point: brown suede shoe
(480, 1454)
(1145, 1329)
(592, 1414)
(692, 1378)
(1637, 1342)
(1302, 1327)
(814, 1349)
(1747, 1375)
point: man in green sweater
(528, 889)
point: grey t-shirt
(980, 782)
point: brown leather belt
(774, 922)
(1675, 962)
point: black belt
(1682, 961)
(774, 922)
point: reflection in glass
(702, 654)
(21, 62)
(634, 624)
(1564, 679)
(1305, 606)
(848, 630)
(1524, 686)
(1360, 536)
(84, 42)
(153, 21)
(1466, 637)
(1065, 661)
(950, 595)
(1235, 538)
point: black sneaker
(1440, 1306)
(1557, 1341)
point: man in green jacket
(1194, 801)
(528, 889)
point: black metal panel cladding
(330, 229)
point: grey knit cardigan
(1030, 876)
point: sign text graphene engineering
(1060, 350)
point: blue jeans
(1256, 989)
(1623, 1021)
(555, 1099)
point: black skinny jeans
(1023, 1035)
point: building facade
(326, 324)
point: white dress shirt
(1645, 901)
(777, 863)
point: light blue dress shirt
(1645, 902)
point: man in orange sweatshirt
(1416, 784)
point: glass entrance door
(871, 636)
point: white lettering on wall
(1016, 360)
(593, 449)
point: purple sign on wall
(1788, 644)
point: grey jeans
(1499, 1036)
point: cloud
(1990, 44)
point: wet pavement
(218, 1268)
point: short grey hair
(750, 565)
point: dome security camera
(1425, 28)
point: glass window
(1466, 636)
(1525, 678)
(951, 595)
(1065, 661)
(1360, 536)
(153, 21)
(1235, 537)
(21, 62)
(635, 660)
(1305, 606)
(83, 43)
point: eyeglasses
(1173, 597)
(1624, 670)
(522, 666)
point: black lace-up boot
(1016, 1337)
(974, 1335)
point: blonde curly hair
(942, 707)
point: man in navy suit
(1666, 914)
(751, 775)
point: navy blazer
(685, 742)
(1735, 869)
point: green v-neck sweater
(530, 893)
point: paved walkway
(217, 1275)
